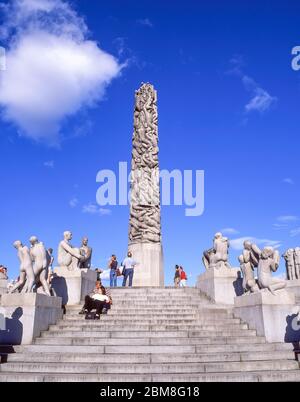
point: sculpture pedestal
(3, 286)
(73, 286)
(272, 316)
(150, 268)
(294, 287)
(25, 315)
(221, 285)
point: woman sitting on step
(97, 300)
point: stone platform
(221, 285)
(272, 316)
(24, 316)
(73, 286)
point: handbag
(120, 271)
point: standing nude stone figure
(86, 251)
(297, 262)
(26, 270)
(68, 256)
(269, 260)
(290, 264)
(217, 257)
(41, 262)
(248, 261)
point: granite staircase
(151, 335)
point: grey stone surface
(150, 270)
(26, 315)
(221, 285)
(270, 315)
(72, 286)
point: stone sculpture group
(36, 260)
(292, 261)
(266, 261)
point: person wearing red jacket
(183, 278)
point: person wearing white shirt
(129, 263)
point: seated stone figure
(269, 260)
(69, 256)
(217, 257)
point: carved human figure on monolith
(68, 256)
(41, 261)
(86, 251)
(217, 257)
(248, 261)
(290, 264)
(26, 280)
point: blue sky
(228, 104)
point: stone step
(144, 321)
(81, 322)
(126, 341)
(147, 358)
(152, 368)
(171, 327)
(115, 333)
(136, 348)
(91, 331)
(209, 347)
(94, 333)
(260, 376)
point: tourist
(95, 301)
(183, 278)
(128, 265)
(177, 276)
(113, 265)
(99, 272)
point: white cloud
(237, 244)
(73, 202)
(146, 22)
(279, 226)
(53, 71)
(288, 180)
(105, 275)
(295, 232)
(49, 164)
(287, 218)
(229, 231)
(261, 100)
(95, 210)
